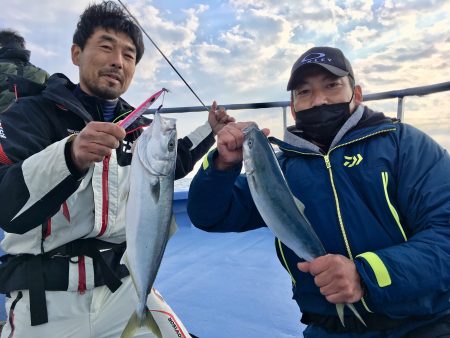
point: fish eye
(250, 143)
(171, 146)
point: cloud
(380, 68)
(243, 50)
(404, 54)
(170, 36)
(359, 35)
(43, 52)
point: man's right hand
(94, 142)
(229, 145)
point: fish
(282, 212)
(149, 218)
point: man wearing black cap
(377, 193)
(323, 94)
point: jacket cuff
(78, 175)
(380, 271)
(208, 164)
(200, 134)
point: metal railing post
(284, 119)
(400, 108)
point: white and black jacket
(45, 205)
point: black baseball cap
(332, 59)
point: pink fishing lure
(127, 121)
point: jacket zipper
(336, 198)
(341, 222)
(328, 166)
(105, 199)
(338, 208)
(81, 275)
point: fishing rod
(159, 50)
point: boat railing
(180, 198)
(398, 94)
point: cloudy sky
(241, 51)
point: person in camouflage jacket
(18, 77)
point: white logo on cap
(316, 57)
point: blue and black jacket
(380, 196)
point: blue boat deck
(227, 285)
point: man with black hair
(376, 192)
(64, 170)
(17, 75)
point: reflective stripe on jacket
(380, 196)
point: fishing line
(122, 115)
(156, 46)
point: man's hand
(94, 142)
(218, 118)
(337, 278)
(229, 144)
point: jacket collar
(63, 92)
(362, 122)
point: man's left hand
(218, 118)
(337, 278)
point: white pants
(97, 313)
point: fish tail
(356, 313)
(134, 323)
(340, 312)
(150, 323)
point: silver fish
(281, 211)
(149, 213)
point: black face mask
(321, 124)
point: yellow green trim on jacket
(285, 262)
(385, 178)
(378, 267)
(205, 163)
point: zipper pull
(327, 161)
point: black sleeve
(188, 154)
(34, 177)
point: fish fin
(155, 188)
(173, 226)
(151, 324)
(132, 325)
(254, 182)
(124, 259)
(340, 312)
(356, 313)
(299, 204)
